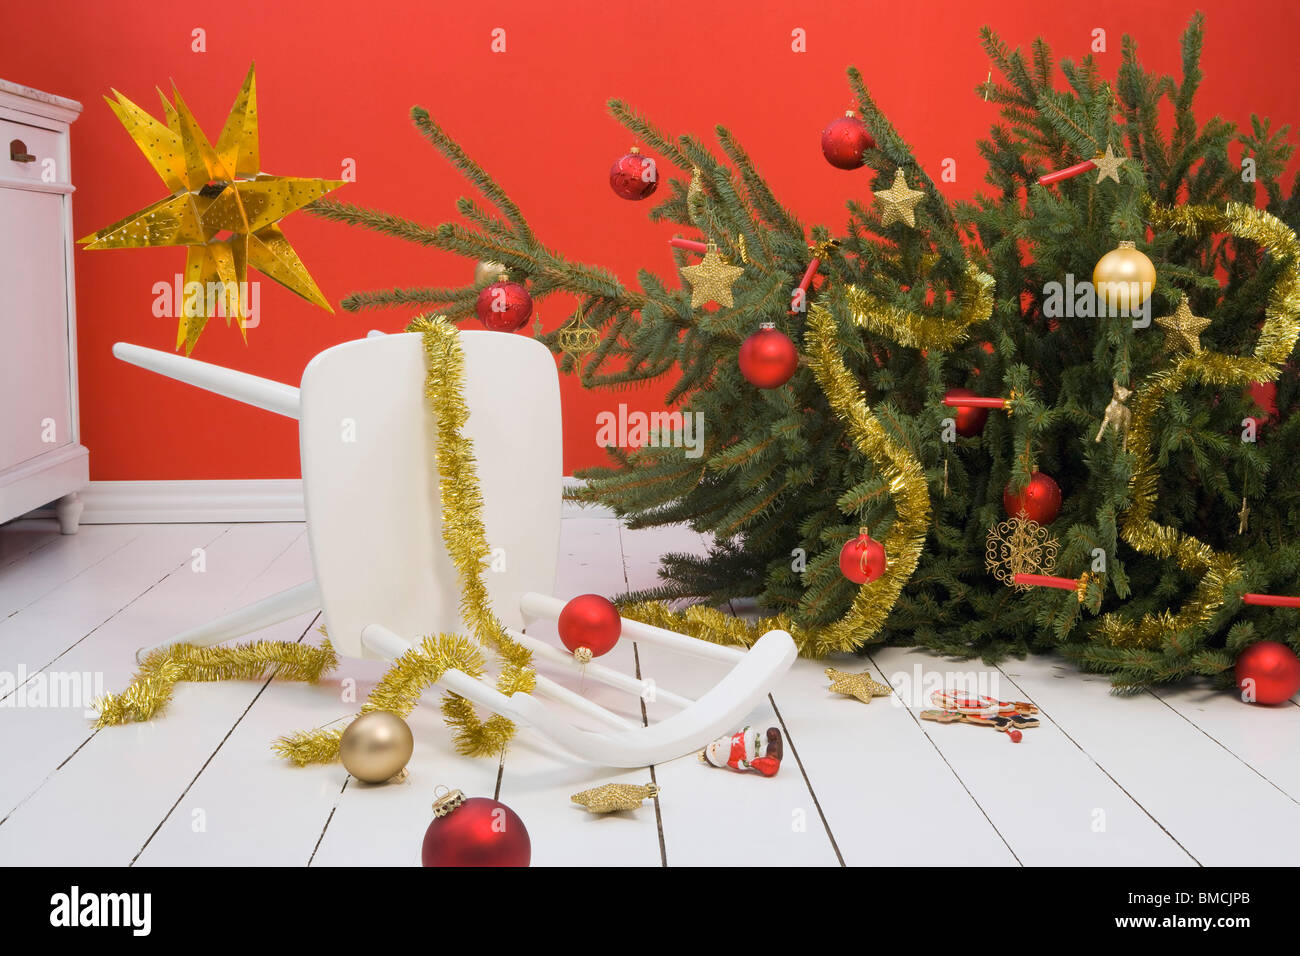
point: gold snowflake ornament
(1019, 545)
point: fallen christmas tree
(1175, 495)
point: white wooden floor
(1147, 780)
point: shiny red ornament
(477, 832)
(1268, 673)
(634, 176)
(1040, 500)
(768, 358)
(845, 140)
(970, 421)
(862, 559)
(504, 306)
(590, 621)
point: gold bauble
(487, 272)
(1124, 277)
(376, 746)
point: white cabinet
(41, 458)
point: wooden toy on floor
(1010, 717)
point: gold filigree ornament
(578, 338)
(1019, 545)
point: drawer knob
(18, 152)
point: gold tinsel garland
(915, 330)
(1277, 339)
(907, 486)
(465, 537)
(151, 689)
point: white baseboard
(222, 501)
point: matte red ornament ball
(590, 621)
(862, 559)
(1268, 673)
(768, 358)
(504, 306)
(479, 832)
(970, 421)
(1040, 500)
(845, 140)
(634, 176)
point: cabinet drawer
(46, 145)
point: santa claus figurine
(749, 749)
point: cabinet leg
(68, 510)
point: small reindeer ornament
(1117, 415)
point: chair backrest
(370, 481)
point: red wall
(336, 79)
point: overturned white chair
(382, 576)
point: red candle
(973, 401)
(1047, 581)
(1271, 600)
(808, 274)
(688, 244)
(1070, 171)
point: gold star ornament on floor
(1183, 329)
(712, 279)
(1108, 164)
(898, 203)
(223, 208)
(860, 686)
(612, 797)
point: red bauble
(768, 358)
(478, 832)
(590, 621)
(634, 176)
(1268, 673)
(504, 306)
(862, 559)
(844, 142)
(970, 421)
(1040, 500)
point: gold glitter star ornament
(860, 686)
(1108, 164)
(898, 203)
(223, 208)
(1183, 329)
(612, 797)
(712, 279)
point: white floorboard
(1145, 780)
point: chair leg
(272, 610)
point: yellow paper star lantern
(223, 208)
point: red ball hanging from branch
(475, 832)
(845, 141)
(589, 626)
(768, 358)
(970, 419)
(634, 176)
(504, 306)
(1040, 500)
(1268, 673)
(862, 559)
